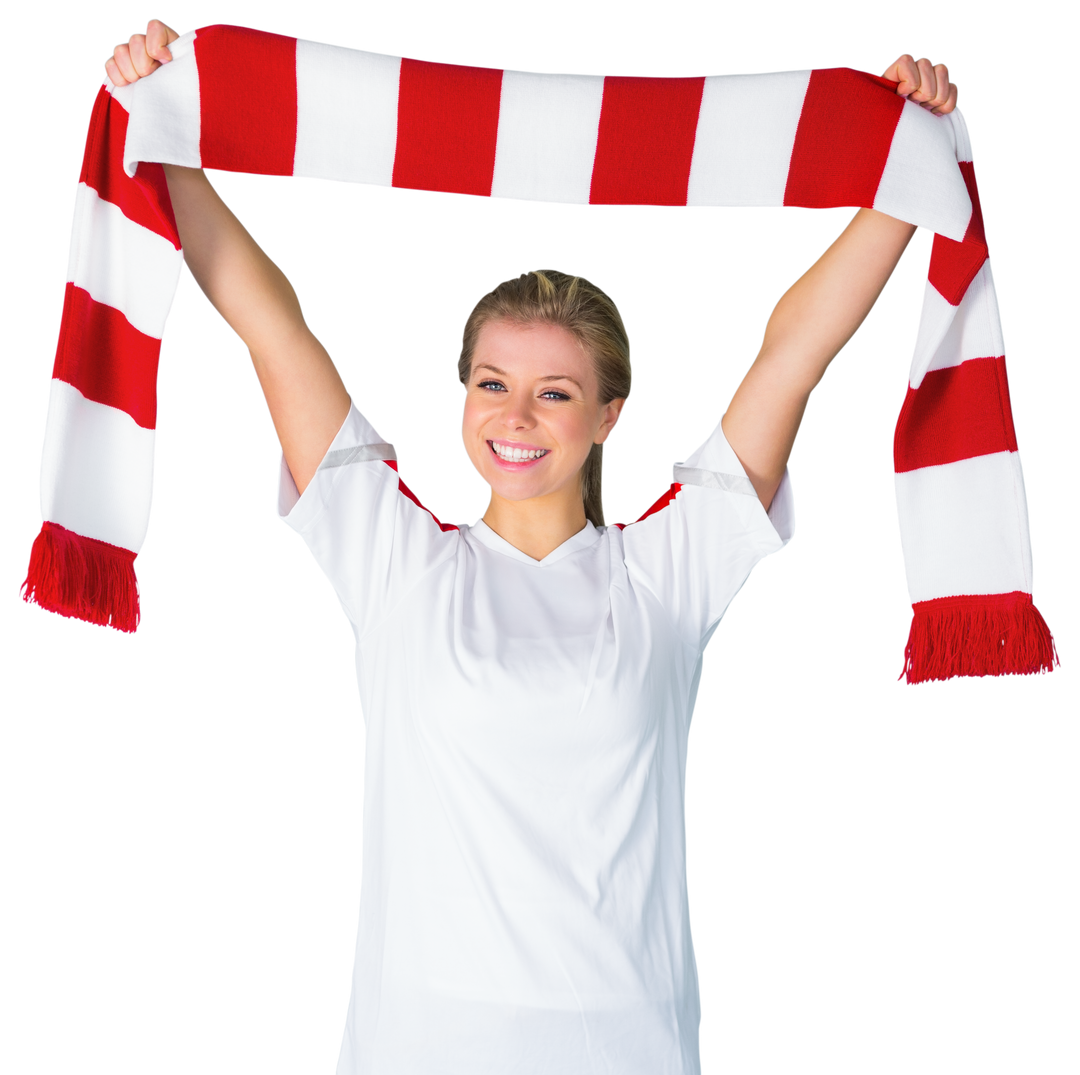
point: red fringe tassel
(83, 577)
(986, 635)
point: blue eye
(494, 384)
(554, 393)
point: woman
(528, 682)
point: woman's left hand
(924, 83)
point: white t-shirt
(523, 906)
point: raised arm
(303, 390)
(820, 313)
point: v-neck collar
(581, 540)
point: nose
(518, 412)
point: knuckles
(131, 59)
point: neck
(539, 525)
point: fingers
(142, 63)
(906, 73)
(924, 83)
(935, 93)
(143, 54)
(158, 38)
(944, 99)
(122, 65)
(131, 58)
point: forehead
(532, 351)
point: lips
(524, 464)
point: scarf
(241, 100)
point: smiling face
(532, 410)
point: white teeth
(516, 455)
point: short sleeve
(698, 543)
(369, 534)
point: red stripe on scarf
(448, 124)
(956, 413)
(107, 360)
(144, 199)
(247, 95)
(843, 139)
(645, 142)
(953, 265)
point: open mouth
(517, 455)
(521, 464)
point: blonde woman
(527, 682)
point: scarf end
(82, 577)
(983, 635)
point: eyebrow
(552, 377)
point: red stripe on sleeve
(646, 141)
(144, 199)
(956, 413)
(106, 359)
(843, 139)
(953, 265)
(247, 91)
(661, 500)
(448, 124)
(406, 491)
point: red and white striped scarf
(241, 100)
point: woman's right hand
(143, 54)
(307, 400)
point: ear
(612, 415)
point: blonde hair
(555, 298)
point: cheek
(576, 426)
(469, 416)
(473, 419)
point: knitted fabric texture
(242, 100)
